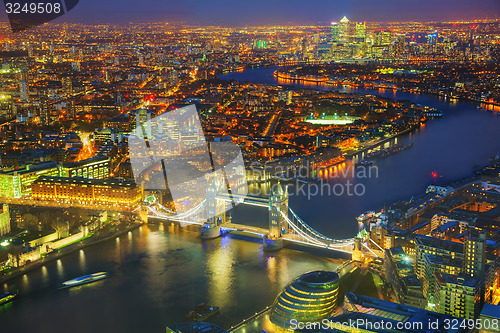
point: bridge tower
(357, 251)
(216, 214)
(278, 226)
(143, 214)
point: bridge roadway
(260, 232)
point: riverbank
(16, 272)
(358, 85)
(378, 143)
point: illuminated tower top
(344, 20)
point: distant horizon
(463, 21)
(275, 12)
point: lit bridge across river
(285, 226)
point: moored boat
(202, 312)
(7, 297)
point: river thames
(160, 272)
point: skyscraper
(382, 37)
(344, 30)
(335, 32)
(304, 47)
(23, 90)
(143, 123)
(360, 34)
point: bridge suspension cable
(315, 233)
(310, 236)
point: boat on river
(85, 279)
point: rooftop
(85, 162)
(319, 277)
(372, 310)
(491, 310)
(84, 181)
(439, 243)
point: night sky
(254, 12)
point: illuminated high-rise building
(382, 37)
(432, 38)
(259, 44)
(344, 30)
(23, 90)
(316, 39)
(360, 34)
(143, 123)
(335, 32)
(304, 47)
(45, 111)
(399, 47)
(475, 254)
(67, 85)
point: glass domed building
(309, 298)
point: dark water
(158, 275)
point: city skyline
(222, 12)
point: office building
(310, 298)
(143, 123)
(93, 168)
(17, 183)
(335, 33)
(360, 33)
(344, 28)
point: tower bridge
(285, 226)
